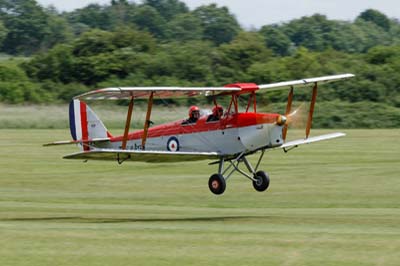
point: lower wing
(142, 156)
(295, 143)
(167, 156)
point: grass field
(330, 203)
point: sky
(256, 13)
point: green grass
(329, 203)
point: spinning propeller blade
(297, 117)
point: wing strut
(127, 124)
(147, 121)
(311, 112)
(288, 108)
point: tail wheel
(261, 182)
(217, 184)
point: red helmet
(192, 109)
(216, 109)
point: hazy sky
(261, 12)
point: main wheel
(217, 184)
(262, 181)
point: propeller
(297, 118)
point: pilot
(194, 115)
(217, 113)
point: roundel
(173, 144)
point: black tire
(262, 181)
(217, 184)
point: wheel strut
(217, 182)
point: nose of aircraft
(281, 120)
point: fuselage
(232, 134)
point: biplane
(238, 132)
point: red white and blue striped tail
(85, 124)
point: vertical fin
(84, 123)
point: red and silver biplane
(229, 139)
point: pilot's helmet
(194, 111)
(218, 110)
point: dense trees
(162, 42)
(26, 23)
(93, 57)
(376, 17)
(168, 9)
(317, 33)
(26, 27)
(218, 24)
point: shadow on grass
(77, 219)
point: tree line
(49, 56)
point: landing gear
(217, 182)
(261, 182)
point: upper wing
(304, 82)
(295, 143)
(144, 92)
(142, 156)
(171, 92)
